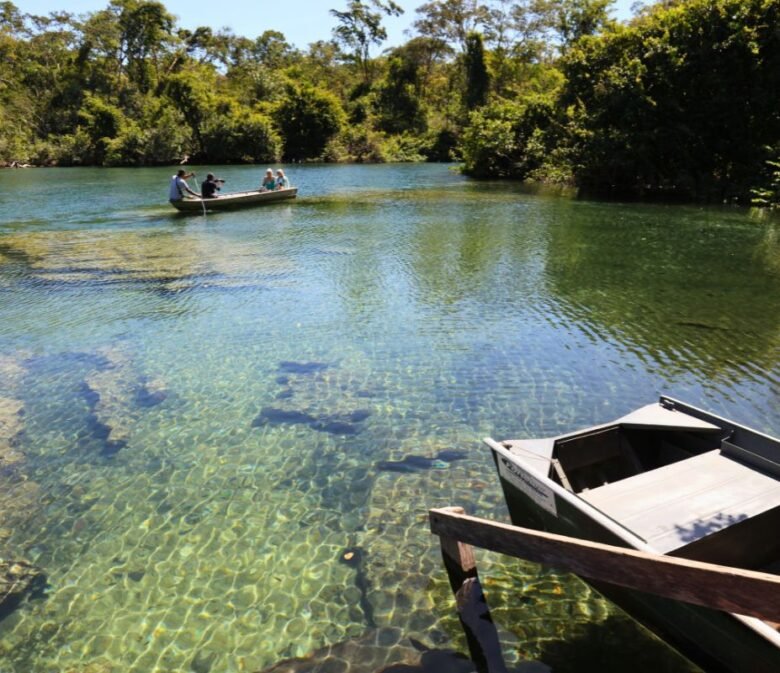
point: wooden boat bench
(680, 504)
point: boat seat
(678, 504)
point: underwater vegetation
(292, 375)
(18, 494)
(414, 463)
(335, 424)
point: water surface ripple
(233, 426)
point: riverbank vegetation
(680, 101)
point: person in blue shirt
(268, 184)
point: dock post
(473, 611)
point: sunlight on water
(213, 410)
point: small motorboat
(234, 200)
(667, 479)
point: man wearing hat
(211, 186)
(179, 185)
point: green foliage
(167, 138)
(398, 104)
(308, 119)
(679, 101)
(359, 144)
(767, 194)
(405, 147)
(235, 134)
(489, 143)
(442, 146)
(510, 139)
(99, 125)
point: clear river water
(215, 411)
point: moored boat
(670, 479)
(234, 200)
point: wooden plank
(734, 590)
(676, 504)
(472, 606)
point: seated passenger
(268, 184)
(281, 180)
(211, 186)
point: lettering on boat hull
(530, 486)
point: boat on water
(669, 479)
(234, 200)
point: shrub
(308, 118)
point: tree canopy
(680, 101)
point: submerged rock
(386, 651)
(274, 416)
(101, 666)
(451, 455)
(202, 662)
(12, 371)
(359, 415)
(368, 654)
(19, 496)
(289, 367)
(167, 264)
(11, 424)
(18, 579)
(116, 394)
(335, 427)
(151, 392)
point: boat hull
(234, 201)
(715, 640)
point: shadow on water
(607, 646)
(604, 647)
(387, 651)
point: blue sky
(302, 21)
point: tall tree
(451, 20)
(398, 101)
(360, 27)
(477, 77)
(574, 19)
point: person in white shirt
(179, 186)
(281, 180)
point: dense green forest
(683, 101)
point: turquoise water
(210, 403)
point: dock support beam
(472, 606)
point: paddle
(202, 200)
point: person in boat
(269, 183)
(179, 186)
(281, 180)
(211, 186)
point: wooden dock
(735, 590)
